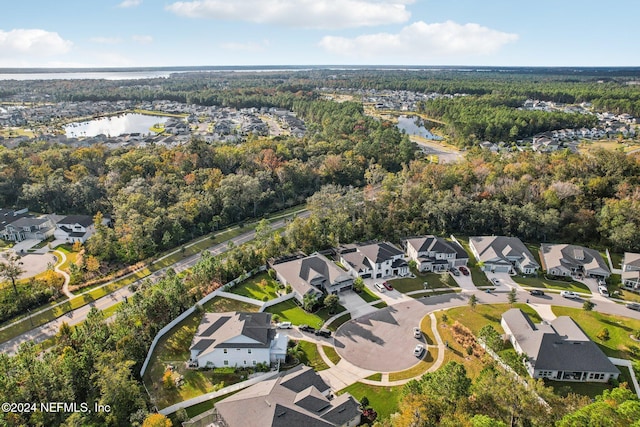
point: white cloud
(130, 3)
(420, 41)
(106, 40)
(32, 42)
(246, 47)
(142, 39)
(299, 13)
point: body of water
(114, 125)
(414, 125)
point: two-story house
(631, 271)
(432, 253)
(237, 339)
(30, 228)
(374, 260)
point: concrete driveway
(465, 282)
(355, 304)
(390, 297)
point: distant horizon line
(20, 70)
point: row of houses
(17, 225)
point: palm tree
(309, 301)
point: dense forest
(362, 179)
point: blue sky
(129, 33)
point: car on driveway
(307, 328)
(569, 294)
(495, 281)
(633, 306)
(536, 292)
(417, 352)
(464, 270)
(284, 325)
(323, 333)
(455, 272)
(379, 287)
(387, 286)
(417, 333)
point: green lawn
(616, 259)
(368, 295)
(290, 311)
(384, 400)
(380, 304)
(69, 254)
(542, 282)
(619, 344)
(433, 293)
(331, 353)
(311, 356)
(432, 280)
(339, 321)
(375, 377)
(260, 287)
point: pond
(414, 125)
(114, 125)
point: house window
(226, 363)
(249, 351)
(255, 363)
(225, 351)
(245, 362)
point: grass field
(368, 295)
(375, 377)
(339, 321)
(542, 282)
(432, 280)
(384, 400)
(260, 287)
(292, 312)
(311, 356)
(331, 353)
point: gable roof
(557, 345)
(501, 249)
(83, 220)
(631, 259)
(572, 257)
(217, 329)
(436, 244)
(379, 252)
(299, 273)
(273, 403)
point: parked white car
(569, 294)
(379, 287)
(417, 333)
(284, 325)
(417, 352)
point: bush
(588, 305)
(603, 335)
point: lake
(414, 125)
(114, 125)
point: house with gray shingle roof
(75, 228)
(237, 339)
(298, 397)
(501, 254)
(376, 260)
(558, 350)
(573, 260)
(312, 274)
(433, 253)
(631, 271)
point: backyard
(384, 400)
(260, 287)
(173, 348)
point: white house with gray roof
(237, 339)
(312, 274)
(573, 260)
(433, 253)
(298, 397)
(376, 260)
(631, 271)
(558, 350)
(502, 254)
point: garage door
(500, 269)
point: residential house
(501, 254)
(573, 260)
(433, 253)
(75, 228)
(237, 339)
(558, 350)
(631, 271)
(377, 260)
(9, 216)
(314, 274)
(298, 397)
(30, 228)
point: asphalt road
(74, 317)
